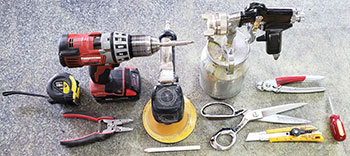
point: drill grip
(100, 74)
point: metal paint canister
(217, 79)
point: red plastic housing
(289, 79)
(99, 90)
(87, 54)
(337, 127)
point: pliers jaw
(114, 125)
(268, 85)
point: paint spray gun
(222, 60)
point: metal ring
(218, 115)
(224, 131)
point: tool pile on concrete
(169, 116)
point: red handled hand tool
(276, 85)
(113, 126)
(337, 126)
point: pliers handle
(90, 138)
(289, 79)
(276, 84)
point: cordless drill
(103, 52)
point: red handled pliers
(113, 125)
(276, 85)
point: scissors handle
(223, 131)
(227, 131)
(234, 112)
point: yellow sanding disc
(170, 133)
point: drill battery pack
(124, 83)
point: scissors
(269, 114)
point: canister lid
(240, 51)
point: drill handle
(100, 74)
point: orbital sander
(168, 117)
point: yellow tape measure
(63, 88)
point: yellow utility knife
(306, 133)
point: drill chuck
(143, 45)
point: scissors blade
(278, 109)
(283, 119)
(285, 89)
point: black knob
(295, 132)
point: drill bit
(174, 43)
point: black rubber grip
(99, 74)
(88, 139)
(7, 93)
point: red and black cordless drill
(103, 52)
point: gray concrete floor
(30, 31)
